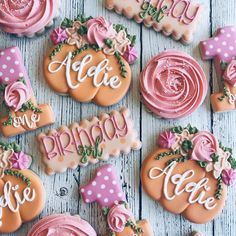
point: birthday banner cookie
(176, 18)
(221, 48)
(189, 173)
(90, 61)
(106, 189)
(23, 112)
(88, 142)
(21, 191)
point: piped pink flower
(229, 176)
(166, 139)
(130, 55)
(58, 35)
(230, 73)
(20, 161)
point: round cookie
(189, 173)
(27, 17)
(90, 61)
(62, 224)
(21, 190)
(173, 85)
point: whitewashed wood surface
(217, 13)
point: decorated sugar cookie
(23, 112)
(21, 191)
(89, 141)
(221, 48)
(173, 85)
(105, 189)
(90, 60)
(174, 18)
(62, 224)
(27, 17)
(189, 173)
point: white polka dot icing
(104, 192)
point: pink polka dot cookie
(173, 85)
(23, 112)
(105, 189)
(222, 48)
(27, 17)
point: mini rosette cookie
(173, 85)
(62, 224)
(27, 17)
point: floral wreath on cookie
(118, 217)
(17, 97)
(12, 160)
(98, 34)
(203, 147)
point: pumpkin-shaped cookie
(90, 61)
(22, 195)
(189, 173)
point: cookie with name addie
(189, 173)
(22, 195)
(90, 60)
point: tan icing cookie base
(86, 91)
(29, 210)
(46, 118)
(195, 213)
(168, 25)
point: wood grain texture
(217, 13)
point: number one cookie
(23, 113)
(106, 190)
(222, 48)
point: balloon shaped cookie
(22, 195)
(90, 60)
(23, 112)
(189, 173)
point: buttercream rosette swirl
(173, 85)
(62, 224)
(27, 17)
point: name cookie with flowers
(189, 173)
(22, 111)
(90, 60)
(22, 195)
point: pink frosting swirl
(62, 224)
(229, 176)
(16, 94)
(26, 17)
(173, 85)
(230, 73)
(117, 217)
(166, 139)
(204, 145)
(99, 29)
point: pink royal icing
(26, 17)
(130, 55)
(173, 85)
(62, 225)
(166, 139)
(229, 176)
(99, 29)
(221, 47)
(104, 188)
(58, 35)
(20, 161)
(230, 73)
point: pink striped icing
(62, 225)
(173, 85)
(26, 17)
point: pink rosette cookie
(62, 224)
(173, 85)
(27, 17)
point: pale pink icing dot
(173, 85)
(221, 48)
(104, 188)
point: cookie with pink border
(89, 141)
(221, 48)
(176, 18)
(23, 112)
(106, 190)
